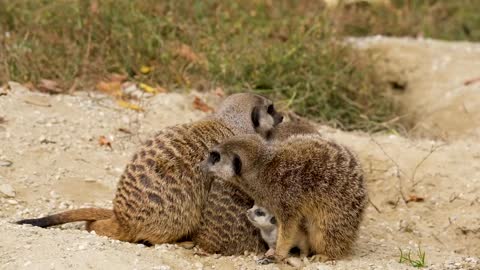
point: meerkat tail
(83, 214)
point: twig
(432, 150)
(399, 170)
(472, 81)
(453, 197)
(438, 239)
(374, 206)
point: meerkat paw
(270, 253)
(186, 244)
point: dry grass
(287, 49)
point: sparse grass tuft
(440, 19)
(406, 258)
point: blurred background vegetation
(290, 50)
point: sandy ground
(439, 84)
(425, 191)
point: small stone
(82, 247)
(5, 163)
(12, 202)
(198, 265)
(54, 194)
(7, 189)
(295, 262)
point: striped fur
(161, 194)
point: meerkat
(224, 227)
(161, 193)
(304, 179)
(261, 218)
(286, 129)
(266, 222)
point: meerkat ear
(237, 164)
(214, 157)
(256, 116)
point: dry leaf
(94, 7)
(186, 52)
(199, 104)
(103, 141)
(111, 88)
(147, 88)
(129, 105)
(415, 198)
(49, 86)
(219, 92)
(161, 89)
(152, 90)
(115, 77)
(29, 85)
(145, 69)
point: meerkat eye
(270, 109)
(259, 213)
(237, 164)
(273, 220)
(214, 157)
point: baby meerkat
(261, 218)
(265, 222)
(305, 181)
(161, 193)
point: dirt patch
(436, 82)
(423, 193)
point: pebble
(7, 189)
(295, 262)
(5, 163)
(54, 194)
(12, 202)
(198, 265)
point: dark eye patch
(237, 164)
(214, 157)
(259, 213)
(273, 220)
(256, 116)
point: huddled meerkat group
(199, 182)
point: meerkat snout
(265, 119)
